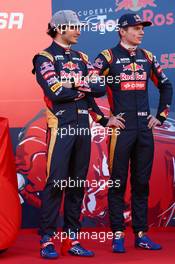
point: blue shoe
(118, 243)
(73, 247)
(78, 250)
(48, 248)
(143, 241)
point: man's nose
(142, 32)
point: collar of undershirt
(63, 45)
(128, 47)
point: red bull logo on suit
(70, 66)
(133, 67)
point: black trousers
(68, 157)
(136, 148)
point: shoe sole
(46, 257)
(138, 247)
(72, 254)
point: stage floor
(26, 250)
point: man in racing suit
(66, 76)
(127, 69)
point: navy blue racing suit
(68, 135)
(127, 75)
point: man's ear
(122, 31)
(59, 31)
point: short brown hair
(51, 31)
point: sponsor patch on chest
(133, 86)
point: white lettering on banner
(96, 12)
(101, 23)
(101, 17)
(11, 20)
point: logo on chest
(70, 66)
(133, 67)
(70, 70)
(133, 86)
(135, 75)
(69, 75)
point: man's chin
(139, 42)
(74, 41)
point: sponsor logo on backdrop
(99, 19)
(167, 60)
(102, 16)
(95, 12)
(12, 20)
(147, 14)
(158, 19)
(134, 5)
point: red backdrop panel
(23, 26)
(10, 209)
